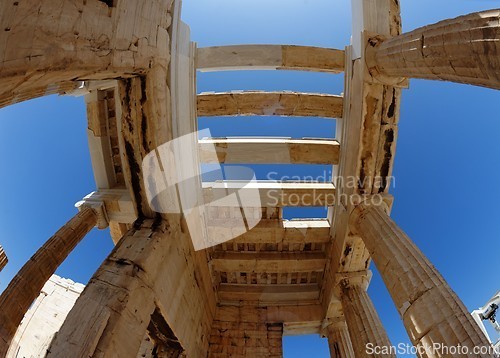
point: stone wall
(245, 332)
(44, 318)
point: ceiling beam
(260, 103)
(268, 293)
(269, 57)
(279, 262)
(268, 193)
(269, 151)
(274, 231)
(296, 319)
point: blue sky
(447, 166)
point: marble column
(432, 313)
(365, 328)
(339, 340)
(465, 49)
(26, 285)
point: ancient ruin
(44, 318)
(203, 282)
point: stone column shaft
(339, 340)
(363, 321)
(26, 285)
(150, 282)
(431, 311)
(465, 49)
(3, 258)
(119, 299)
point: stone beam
(154, 110)
(17, 95)
(259, 103)
(276, 294)
(277, 314)
(46, 44)
(279, 262)
(368, 137)
(269, 151)
(103, 117)
(275, 231)
(137, 100)
(465, 50)
(26, 285)
(269, 57)
(271, 193)
(296, 319)
(245, 333)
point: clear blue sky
(447, 166)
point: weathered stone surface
(339, 340)
(46, 45)
(155, 295)
(465, 50)
(243, 332)
(44, 318)
(152, 269)
(365, 327)
(431, 311)
(26, 285)
(269, 57)
(258, 103)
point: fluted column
(465, 49)
(3, 258)
(431, 311)
(26, 285)
(119, 298)
(339, 340)
(365, 328)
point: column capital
(345, 280)
(336, 322)
(382, 201)
(357, 278)
(110, 205)
(339, 342)
(376, 76)
(97, 205)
